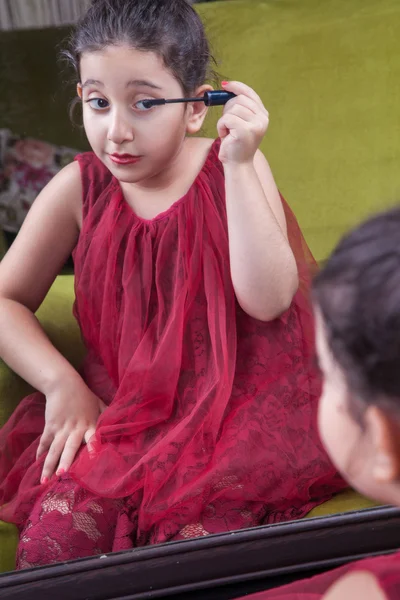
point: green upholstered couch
(329, 73)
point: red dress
(211, 419)
(385, 569)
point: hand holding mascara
(243, 124)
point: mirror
(329, 77)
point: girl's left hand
(243, 124)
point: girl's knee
(66, 523)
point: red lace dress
(211, 418)
(385, 569)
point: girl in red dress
(194, 411)
(357, 299)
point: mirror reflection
(178, 398)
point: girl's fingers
(230, 125)
(72, 445)
(44, 443)
(88, 436)
(222, 128)
(243, 112)
(238, 88)
(52, 458)
(249, 103)
(89, 433)
(237, 127)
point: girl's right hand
(71, 415)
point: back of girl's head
(170, 28)
(358, 296)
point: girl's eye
(98, 103)
(141, 105)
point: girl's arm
(263, 267)
(46, 239)
(358, 585)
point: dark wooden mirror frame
(220, 566)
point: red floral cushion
(26, 166)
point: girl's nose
(120, 130)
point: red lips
(124, 159)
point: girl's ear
(197, 111)
(79, 90)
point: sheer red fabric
(211, 419)
(385, 569)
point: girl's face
(136, 144)
(363, 451)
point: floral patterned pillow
(26, 166)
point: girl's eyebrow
(92, 82)
(134, 82)
(143, 83)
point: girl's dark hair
(170, 28)
(358, 294)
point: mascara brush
(213, 98)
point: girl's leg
(68, 522)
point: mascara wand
(213, 98)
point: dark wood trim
(236, 561)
